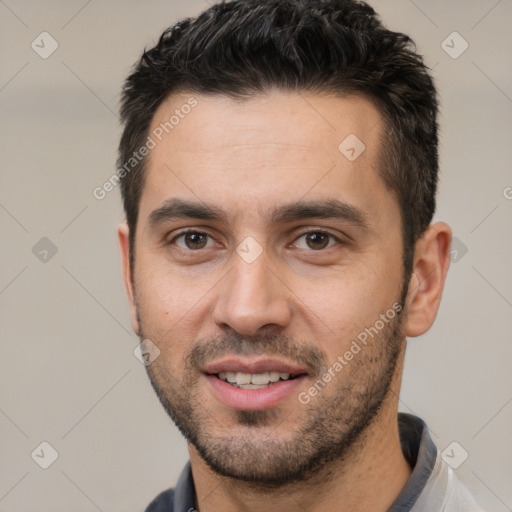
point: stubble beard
(251, 446)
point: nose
(251, 297)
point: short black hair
(245, 47)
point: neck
(369, 478)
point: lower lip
(254, 399)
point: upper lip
(235, 365)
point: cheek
(171, 304)
(160, 289)
(346, 303)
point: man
(279, 170)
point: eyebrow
(176, 208)
(322, 209)
(180, 209)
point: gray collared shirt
(432, 486)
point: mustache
(267, 344)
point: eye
(316, 240)
(193, 240)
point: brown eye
(192, 240)
(316, 240)
(195, 240)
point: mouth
(254, 384)
(255, 380)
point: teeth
(253, 380)
(243, 378)
(274, 376)
(260, 379)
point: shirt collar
(184, 492)
(420, 452)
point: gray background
(67, 369)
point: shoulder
(459, 498)
(164, 502)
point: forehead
(221, 122)
(266, 150)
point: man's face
(290, 250)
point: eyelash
(305, 233)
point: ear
(430, 266)
(123, 232)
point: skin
(249, 158)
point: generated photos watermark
(355, 347)
(156, 136)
